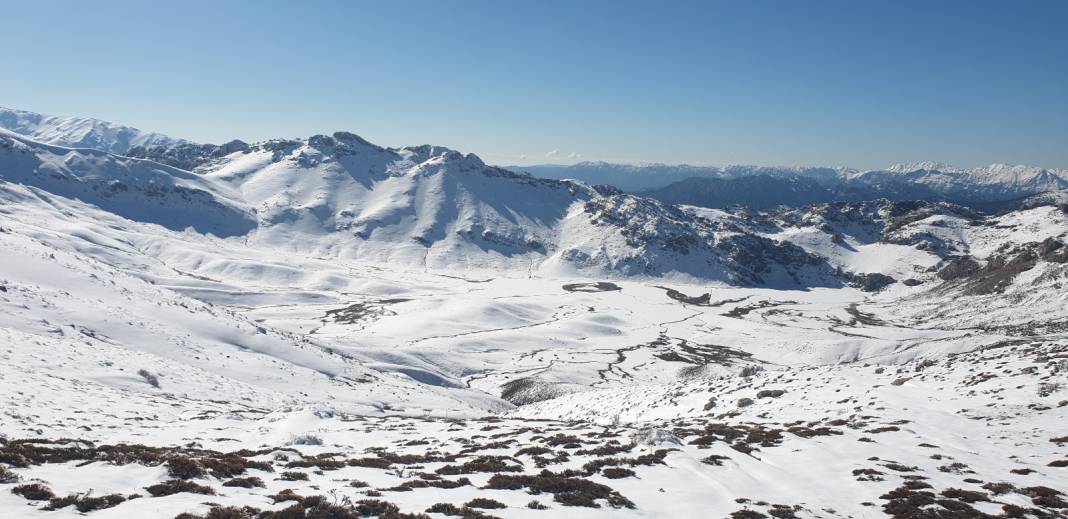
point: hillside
(324, 327)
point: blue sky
(855, 83)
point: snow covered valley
(329, 329)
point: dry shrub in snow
(152, 380)
(33, 492)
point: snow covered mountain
(988, 183)
(740, 185)
(80, 132)
(324, 327)
(423, 206)
(437, 209)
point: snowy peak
(80, 132)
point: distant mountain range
(642, 177)
(764, 186)
(80, 132)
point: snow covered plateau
(326, 328)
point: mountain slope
(136, 189)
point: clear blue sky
(856, 83)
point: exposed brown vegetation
(33, 492)
(175, 486)
(246, 482)
(483, 502)
(569, 491)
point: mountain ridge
(80, 132)
(924, 180)
(432, 207)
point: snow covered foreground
(272, 361)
